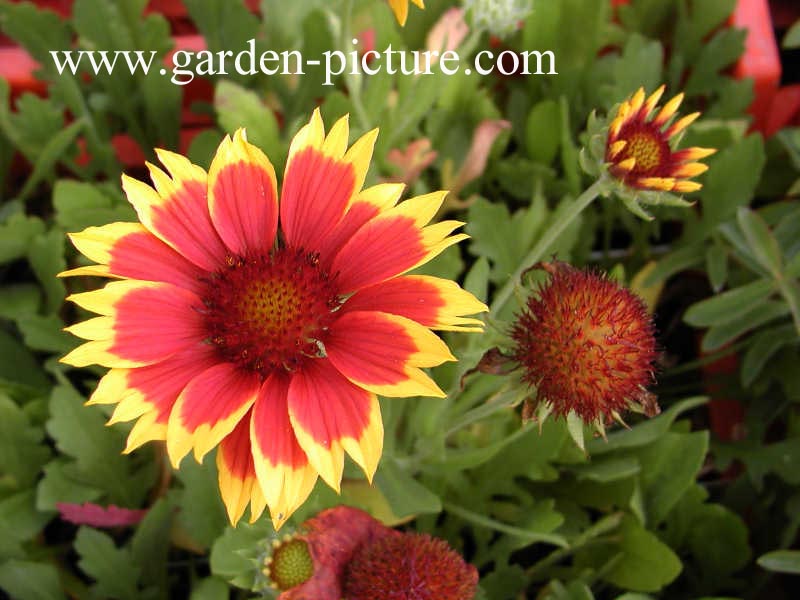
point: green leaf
(792, 37)
(720, 334)
(225, 24)
(717, 266)
(502, 238)
(62, 482)
(647, 564)
(54, 150)
(16, 235)
(646, 431)
(30, 127)
(19, 365)
(764, 246)
(718, 539)
(237, 107)
(79, 205)
(210, 588)
(46, 333)
(22, 448)
(80, 432)
(46, 257)
(406, 496)
(19, 522)
(575, 429)
(669, 468)
(543, 131)
(201, 513)
(18, 300)
(233, 556)
(729, 305)
(111, 567)
(28, 580)
(150, 544)
(781, 561)
(674, 262)
(608, 469)
(719, 52)
(763, 347)
(731, 180)
(504, 582)
(639, 65)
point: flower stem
(565, 218)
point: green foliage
(546, 510)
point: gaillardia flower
(409, 566)
(345, 553)
(267, 329)
(400, 9)
(637, 149)
(587, 345)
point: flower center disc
(270, 312)
(646, 146)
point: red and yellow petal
(151, 389)
(382, 353)
(147, 322)
(667, 111)
(430, 301)
(177, 210)
(394, 242)
(321, 179)
(285, 476)
(237, 476)
(243, 196)
(368, 204)
(208, 409)
(129, 250)
(330, 415)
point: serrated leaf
(17, 364)
(16, 235)
(233, 552)
(80, 432)
(19, 522)
(63, 483)
(405, 495)
(112, 568)
(46, 333)
(720, 51)
(22, 448)
(46, 257)
(238, 107)
(79, 205)
(29, 580)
